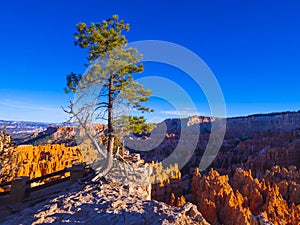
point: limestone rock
(246, 200)
(109, 203)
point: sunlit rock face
(247, 200)
(36, 161)
(167, 185)
(238, 199)
(288, 181)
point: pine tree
(110, 68)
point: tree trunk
(110, 133)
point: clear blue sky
(253, 48)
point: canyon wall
(36, 161)
(255, 142)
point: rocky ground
(105, 203)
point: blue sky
(252, 47)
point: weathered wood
(57, 173)
(48, 184)
(5, 184)
(18, 189)
(77, 172)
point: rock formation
(5, 139)
(254, 180)
(255, 142)
(167, 184)
(36, 161)
(245, 201)
(288, 181)
(105, 203)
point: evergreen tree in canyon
(109, 81)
